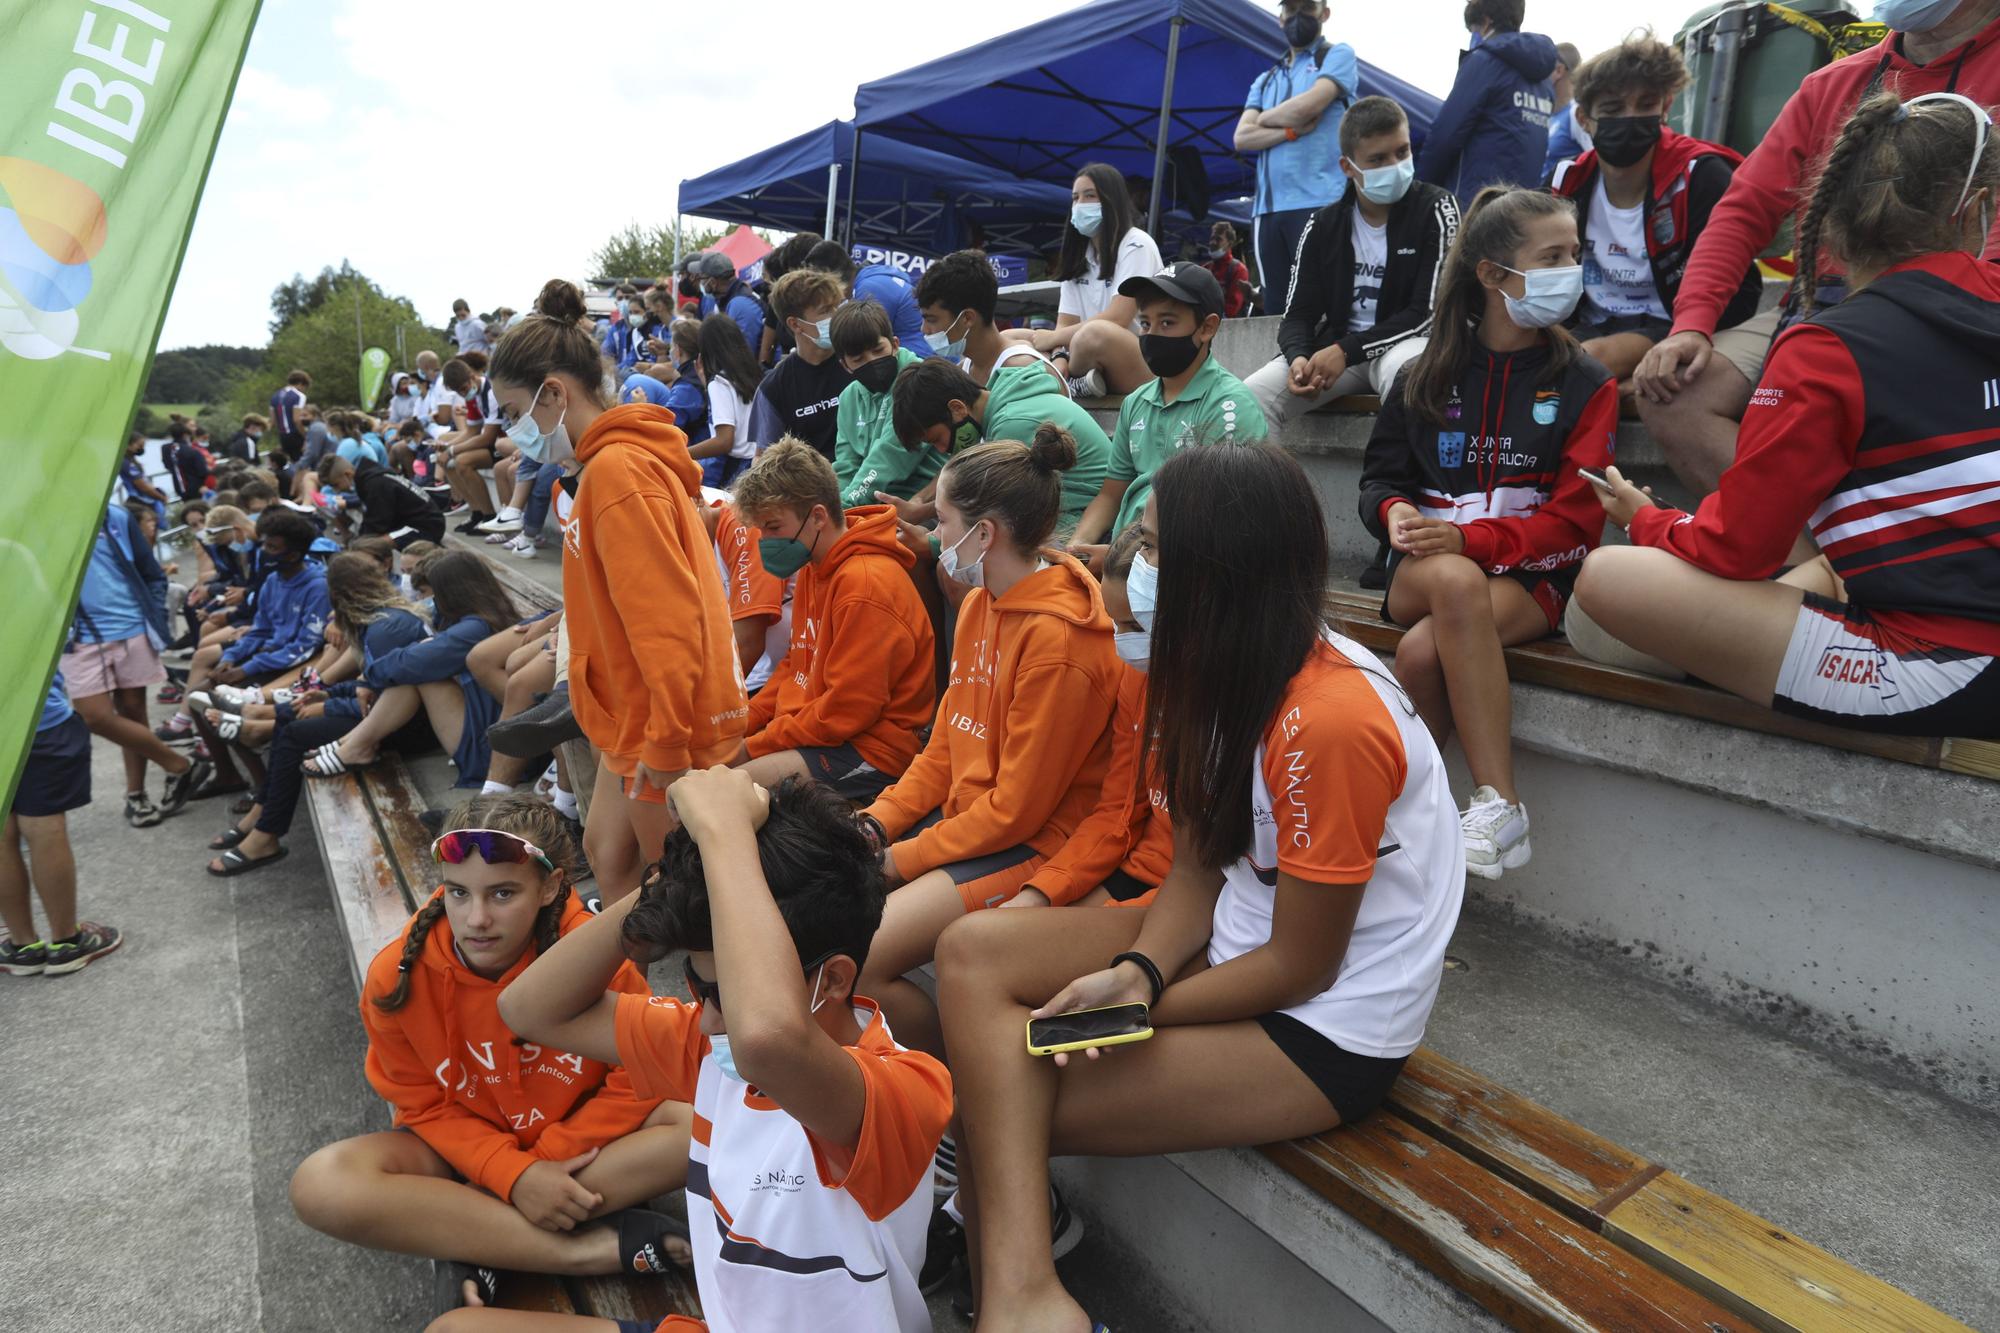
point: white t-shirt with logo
(1371, 261)
(1617, 272)
(1087, 296)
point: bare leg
(1621, 354)
(517, 695)
(254, 731)
(1205, 1086)
(17, 913)
(1421, 675)
(622, 836)
(477, 1319)
(130, 704)
(100, 714)
(1111, 348)
(1472, 617)
(54, 872)
(444, 705)
(488, 661)
(1697, 428)
(912, 919)
(391, 709)
(1732, 634)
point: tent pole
(677, 241)
(1166, 124)
(832, 196)
(853, 179)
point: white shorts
(1842, 667)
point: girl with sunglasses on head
(1877, 427)
(507, 1153)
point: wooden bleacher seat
(378, 864)
(1552, 662)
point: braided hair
(1888, 190)
(510, 812)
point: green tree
(321, 341)
(302, 295)
(642, 251)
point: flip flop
(236, 863)
(642, 1240)
(448, 1279)
(226, 839)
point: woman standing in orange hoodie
(653, 675)
(1018, 751)
(517, 1156)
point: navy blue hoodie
(1494, 128)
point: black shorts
(1652, 326)
(1549, 588)
(56, 778)
(1354, 1084)
(842, 768)
(1125, 887)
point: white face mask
(1142, 590)
(1550, 298)
(1387, 185)
(718, 1045)
(1134, 648)
(972, 575)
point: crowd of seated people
(887, 653)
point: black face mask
(1622, 140)
(1301, 31)
(878, 375)
(1168, 356)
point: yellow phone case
(1123, 1039)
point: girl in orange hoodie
(1121, 852)
(1021, 741)
(516, 1156)
(845, 704)
(653, 675)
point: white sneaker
(1495, 833)
(523, 546)
(507, 520)
(231, 698)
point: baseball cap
(1186, 282)
(712, 264)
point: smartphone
(1596, 480)
(1113, 1025)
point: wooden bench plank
(368, 894)
(1557, 665)
(1526, 1263)
(1560, 1163)
(648, 1300)
(395, 804)
(1766, 1273)
(537, 1292)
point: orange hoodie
(861, 667)
(1129, 830)
(652, 667)
(449, 1066)
(1022, 737)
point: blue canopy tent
(902, 195)
(1117, 81)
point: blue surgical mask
(1142, 590)
(533, 443)
(1086, 218)
(943, 344)
(242, 548)
(1134, 648)
(1550, 298)
(972, 575)
(1386, 185)
(1915, 15)
(725, 1059)
(822, 333)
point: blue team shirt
(892, 289)
(55, 708)
(1305, 173)
(105, 611)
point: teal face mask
(786, 556)
(964, 435)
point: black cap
(1189, 283)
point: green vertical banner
(109, 114)
(374, 369)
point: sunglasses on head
(710, 992)
(493, 845)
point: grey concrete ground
(1896, 1180)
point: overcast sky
(479, 147)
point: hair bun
(560, 299)
(1053, 448)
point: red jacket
(1771, 183)
(1689, 176)
(1234, 277)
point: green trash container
(1746, 58)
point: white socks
(565, 803)
(491, 787)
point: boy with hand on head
(867, 456)
(793, 1077)
(846, 704)
(1643, 194)
(940, 407)
(1194, 400)
(1360, 302)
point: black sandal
(642, 1240)
(228, 838)
(234, 862)
(448, 1279)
